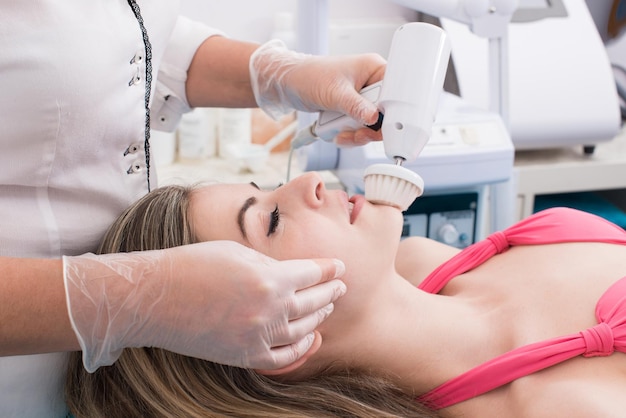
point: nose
(310, 187)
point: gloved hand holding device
(251, 311)
(284, 80)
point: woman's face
(301, 219)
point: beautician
(82, 83)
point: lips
(356, 204)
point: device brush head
(392, 185)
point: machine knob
(448, 234)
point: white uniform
(72, 113)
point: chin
(391, 218)
(387, 231)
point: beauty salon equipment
(469, 153)
(561, 88)
(407, 99)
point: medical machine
(561, 88)
(469, 151)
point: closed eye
(274, 221)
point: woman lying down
(530, 322)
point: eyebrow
(242, 212)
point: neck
(393, 331)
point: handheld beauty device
(413, 82)
(408, 98)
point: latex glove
(283, 80)
(219, 301)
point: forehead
(215, 191)
(222, 198)
(214, 209)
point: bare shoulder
(418, 256)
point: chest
(55, 53)
(535, 292)
(579, 388)
(74, 74)
(532, 294)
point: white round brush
(392, 185)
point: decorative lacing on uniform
(148, 47)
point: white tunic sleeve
(170, 101)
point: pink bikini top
(557, 225)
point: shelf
(567, 170)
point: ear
(317, 343)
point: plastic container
(197, 135)
(234, 129)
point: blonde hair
(151, 382)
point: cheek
(312, 239)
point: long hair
(152, 382)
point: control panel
(450, 219)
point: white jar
(234, 129)
(197, 135)
(162, 147)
